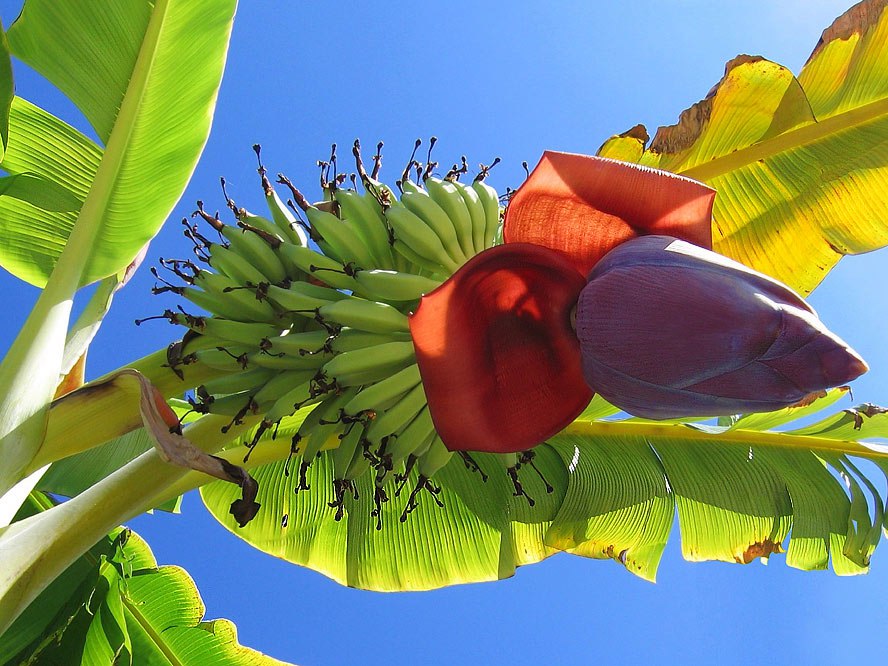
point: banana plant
(74, 211)
(383, 502)
(102, 206)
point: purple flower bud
(668, 329)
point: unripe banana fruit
(293, 324)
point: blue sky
(509, 80)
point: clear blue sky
(509, 80)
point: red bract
(668, 329)
(499, 358)
(585, 206)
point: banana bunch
(310, 306)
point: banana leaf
(741, 493)
(146, 76)
(800, 164)
(114, 603)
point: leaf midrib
(88, 226)
(795, 138)
(151, 632)
(653, 432)
(782, 440)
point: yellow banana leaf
(800, 164)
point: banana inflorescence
(311, 306)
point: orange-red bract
(585, 206)
(499, 358)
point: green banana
(216, 303)
(413, 231)
(383, 392)
(245, 380)
(313, 419)
(345, 245)
(414, 439)
(393, 285)
(321, 424)
(248, 333)
(295, 398)
(350, 339)
(359, 465)
(298, 299)
(368, 223)
(379, 193)
(476, 213)
(228, 262)
(283, 218)
(235, 404)
(348, 450)
(231, 358)
(409, 187)
(365, 315)
(316, 265)
(421, 449)
(244, 217)
(282, 383)
(368, 364)
(241, 299)
(256, 250)
(317, 291)
(447, 196)
(417, 263)
(427, 209)
(434, 459)
(397, 417)
(301, 344)
(490, 201)
(295, 361)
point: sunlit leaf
(740, 494)
(51, 167)
(42, 193)
(480, 534)
(115, 601)
(154, 111)
(799, 164)
(146, 75)
(7, 91)
(604, 517)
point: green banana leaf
(51, 167)
(742, 492)
(800, 164)
(114, 603)
(7, 91)
(146, 76)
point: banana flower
(606, 283)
